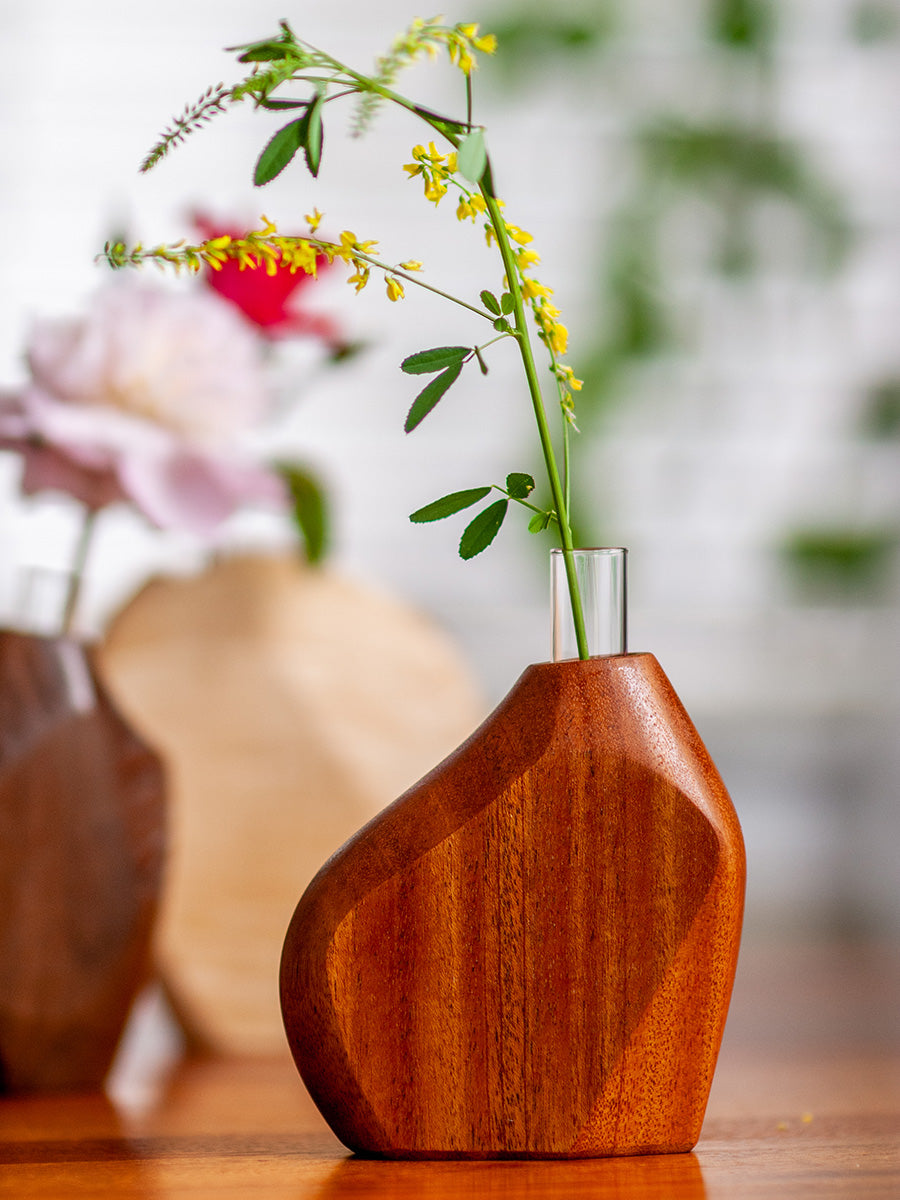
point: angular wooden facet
(531, 953)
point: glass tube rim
(611, 550)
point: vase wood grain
(531, 952)
(81, 849)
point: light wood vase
(531, 952)
(290, 705)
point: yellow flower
(552, 331)
(486, 44)
(558, 337)
(313, 220)
(566, 375)
(527, 258)
(394, 288)
(531, 289)
(360, 277)
(412, 265)
(349, 245)
(299, 255)
(468, 31)
(435, 190)
(469, 207)
(519, 235)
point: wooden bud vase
(81, 848)
(531, 952)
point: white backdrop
(721, 450)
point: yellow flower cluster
(461, 42)
(551, 329)
(268, 249)
(262, 248)
(470, 206)
(435, 169)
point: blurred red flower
(264, 299)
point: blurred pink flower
(144, 400)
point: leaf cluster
(483, 528)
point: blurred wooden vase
(81, 850)
(291, 705)
(531, 952)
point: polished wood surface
(82, 818)
(805, 1106)
(531, 953)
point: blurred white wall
(735, 438)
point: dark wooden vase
(531, 952)
(81, 849)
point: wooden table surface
(806, 1104)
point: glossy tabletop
(806, 1103)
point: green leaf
(507, 304)
(519, 485)
(539, 522)
(479, 534)
(314, 135)
(309, 510)
(471, 157)
(429, 396)
(425, 362)
(279, 151)
(490, 302)
(264, 52)
(448, 505)
(278, 105)
(501, 325)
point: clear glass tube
(600, 572)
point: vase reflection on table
(531, 953)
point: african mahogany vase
(81, 846)
(531, 952)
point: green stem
(566, 466)
(534, 387)
(82, 549)
(401, 274)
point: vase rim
(592, 550)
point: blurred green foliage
(743, 24)
(881, 413)
(536, 36)
(875, 21)
(309, 508)
(728, 160)
(829, 564)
